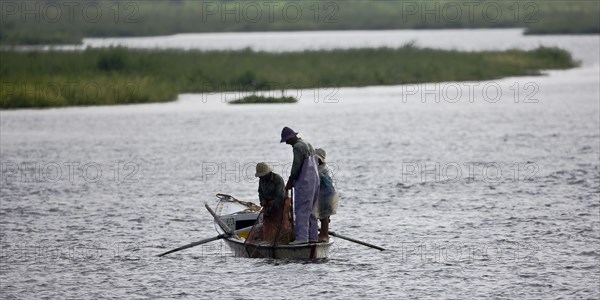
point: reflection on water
(473, 195)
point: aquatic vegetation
(253, 99)
(119, 76)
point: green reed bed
(119, 76)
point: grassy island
(253, 99)
(120, 76)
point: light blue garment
(328, 198)
(327, 187)
(307, 194)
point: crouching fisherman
(328, 196)
(277, 221)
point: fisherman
(328, 196)
(304, 178)
(277, 223)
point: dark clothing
(271, 187)
(302, 151)
(276, 222)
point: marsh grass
(117, 75)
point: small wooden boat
(240, 216)
(235, 222)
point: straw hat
(320, 154)
(262, 169)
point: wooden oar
(204, 241)
(355, 241)
(222, 224)
(194, 244)
(228, 233)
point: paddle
(355, 241)
(228, 232)
(222, 224)
(194, 244)
(204, 241)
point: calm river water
(480, 189)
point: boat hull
(237, 215)
(292, 252)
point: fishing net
(251, 207)
(274, 228)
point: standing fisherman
(328, 196)
(304, 178)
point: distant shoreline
(78, 45)
(63, 22)
(125, 76)
(157, 43)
